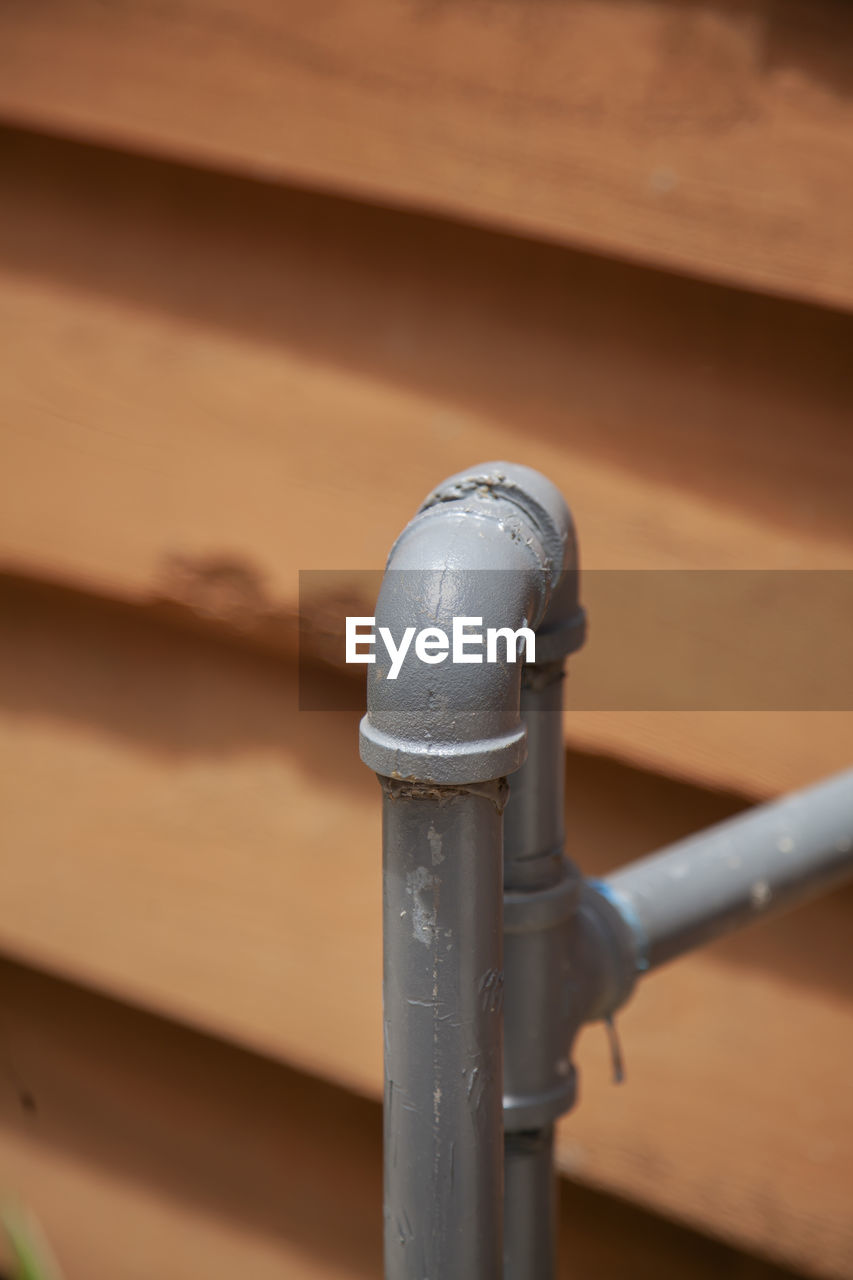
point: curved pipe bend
(495, 543)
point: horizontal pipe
(769, 859)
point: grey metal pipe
(542, 893)
(771, 858)
(443, 980)
(536, 1048)
(534, 822)
(530, 1206)
(539, 1079)
(495, 543)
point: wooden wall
(267, 273)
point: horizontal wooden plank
(710, 1040)
(713, 140)
(210, 385)
(145, 1149)
(178, 835)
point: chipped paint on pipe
(443, 987)
(769, 859)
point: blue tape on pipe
(626, 910)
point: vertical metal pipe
(533, 822)
(530, 1205)
(533, 862)
(495, 544)
(443, 989)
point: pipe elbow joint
(496, 546)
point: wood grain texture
(146, 1149)
(211, 384)
(178, 835)
(713, 138)
(717, 1042)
